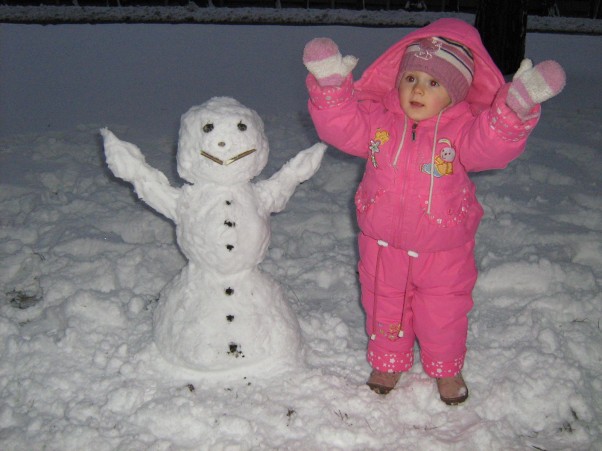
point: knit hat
(448, 62)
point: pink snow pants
(427, 296)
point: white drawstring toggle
(413, 254)
(383, 243)
(400, 334)
(373, 337)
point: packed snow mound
(526, 278)
(221, 313)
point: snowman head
(221, 141)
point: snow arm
(127, 163)
(275, 192)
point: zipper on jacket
(403, 140)
(406, 165)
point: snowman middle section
(222, 312)
(222, 228)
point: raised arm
(127, 163)
(275, 192)
(500, 134)
(335, 113)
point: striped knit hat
(448, 62)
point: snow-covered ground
(82, 261)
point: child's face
(421, 96)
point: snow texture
(192, 13)
(83, 262)
(221, 313)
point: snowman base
(210, 322)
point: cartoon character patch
(392, 332)
(444, 162)
(380, 137)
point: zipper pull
(414, 131)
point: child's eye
(434, 83)
(207, 127)
(410, 79)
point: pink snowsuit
(416, 206)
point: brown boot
(452, 390)
(382, 383)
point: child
(431, 109)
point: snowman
(221, 312)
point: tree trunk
(503, 29)
(594, 9)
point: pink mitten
(533, 85)
(323, 60)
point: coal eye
(242, 127)
(207, 127)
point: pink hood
(379, 79)
(400, 200)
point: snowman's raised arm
(275, 192)
(127, 162)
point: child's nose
(419, 88)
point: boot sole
(380, 389)
(454, 401)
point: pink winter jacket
(416, 194)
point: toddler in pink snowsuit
(431, 109)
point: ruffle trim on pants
(390, 362)
(442, 369)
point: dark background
(565, 8)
